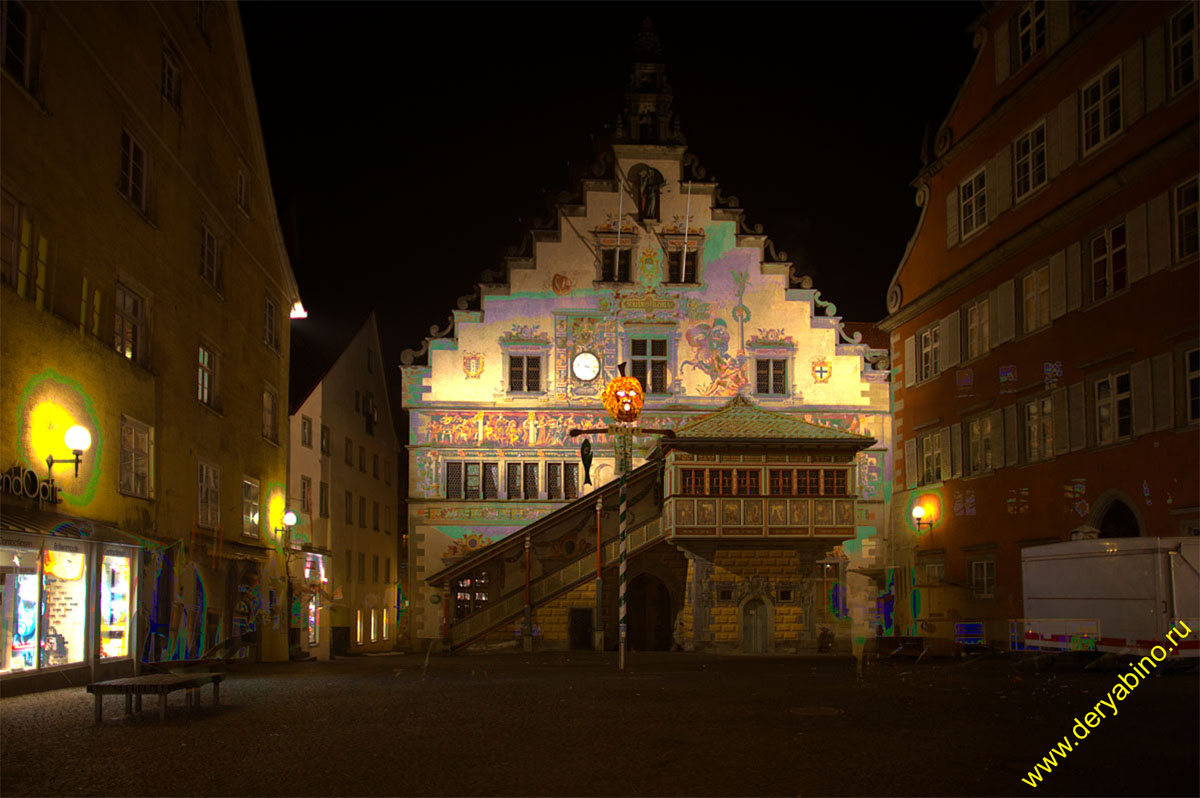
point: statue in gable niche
(648, 183)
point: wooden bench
(160, 684)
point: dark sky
(405, 141)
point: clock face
(585, 366)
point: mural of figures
(710, 356)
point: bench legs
(99, 706)
(162, 706)
(129, 703)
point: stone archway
(649, 612)
(1116, 516)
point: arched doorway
(649, 605)
(754, 627)
(1119, 521)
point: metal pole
(598, 634)
(528, 630)
(622, 628)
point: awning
(31, 520)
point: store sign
(25, 482)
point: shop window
(1101, 101)
(137, 458)
(1187, 220)
(387, 625)
(831, 594)
(250, 508)
(115, 591)
(314, 626)
(209, 510)
(64, 605)
(1108, 262)
(1183, 48)
(771, 376)
(19, 602)
(1114, 408)
(649, 363)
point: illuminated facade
(649, 266)
(145, 297)
(344, 484)
(1043, 319)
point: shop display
(64, 608)
(114, 607)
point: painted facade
(651, 267)
(145, 297)
(346, 568)
(1033, 399)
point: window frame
(1113, 402)
(1035, 297)
(323, 501)
(977, 182)
(206, 375)
(1173, 41)
(1035, 17)
(211, 258)
(1191, 386)
(270, 414)
(208, 496)
(306, 431)
(984, 588)
(348, 513)
(26, 80)
(251, 525)
(1030, 160)
(979, 442)
(682, 263)
(172, 80)
(306, 492)
(612, 273)
(1103, 96)
(1180, 217)
(241, 195)
(136, 427)
(976, 316)
(134, 158)
(928, 340)
(777, 371)
(326, 443)
(129, 327)
(271, 333)
(929, 450)
(1111, 252)
(485, 489)
(647, 362)
(526, 358)
(1037, 428)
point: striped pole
(621, 607)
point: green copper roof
(742, 419)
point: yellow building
(146, 296)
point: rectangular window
(210, 258)
(270, 323)
(808, 482)
(530, 480)
(771, 376)
(1101, 100)
(935, 572)
(554, 481)
(362, 512)
(649, 357)
(387, 576)
(137, 458)
(983, 578)
(1187, 239)
(358, 636)
(16, 42)
(270, 428)
(1114, 408)
(375, 516)
(115, 600)
(171, 80)
(206, 375)
(614, 266)
(1035, 299)
(374, 628)
(1183, 48)
(349, 452)
(11, 214)
(306, 432)
(242, 194)
(1193, 385)
(250, 508)
(978, 335)
(571, 481)
(306, 494)
(930, 447)
(524, 373)
(747, 482)
(979, 444)
(387, 626)
(129, 322)
(972, 203)
(133, 171)
(1039, 430)
(349, 566)
(693, 481)
(325, 445)
(1031, 31)
(681, 266)
(209, 511)
(375, 568)
(781, 482)
(375, 465)
(1029, 151)
(834, 482)
(349, 508)
(929, 341)
(472, 480)
(387, 519)
(387, 472)
(324, 499)
(1108, 262)
(362, 566)
(362, 459)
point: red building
(1043, 321)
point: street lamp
(289, 521)
(78, 440)
(918, 514)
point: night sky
(407, 141)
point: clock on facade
(585, 366)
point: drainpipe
(598, 634)
(528, 629)
(448, 595)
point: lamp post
(285, 539)
(78, 440)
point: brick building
(146, 296)
(1043, 320)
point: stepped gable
(741, 418)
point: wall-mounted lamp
(918, 514)
(289, 521)
(78, 440)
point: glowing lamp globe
(78, 439)
(289, 518)
(623, 398)
(918, 512)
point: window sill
(1106, 299)
(209, 408)
(1029, 195)
(273, 442)
(142, 213)
(612, 283)
(148, 498)
(963, 238)
(26, 93)
(1085, 154)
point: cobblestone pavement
(570, 724)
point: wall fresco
(870, 475)
(710, 356)
(518, 429)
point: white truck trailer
(1119, 595)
